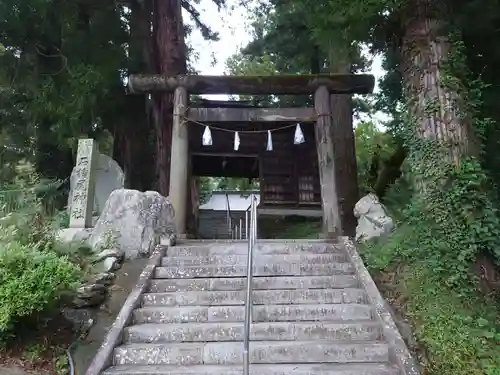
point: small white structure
(214, 214)
(373, 220)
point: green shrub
(35, 270)
(31, 281)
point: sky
(233, 28)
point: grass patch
(306, 230)
(457, 329)
(290, 227)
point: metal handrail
(231, 229)
(248, 300)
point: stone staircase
(312, 315)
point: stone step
(260, 297)
(273, 313)
(277, 269)
(228, 353)
(234, 331)
(259, 249)
(241, 259)
(258, 369)
(259, 283)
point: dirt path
(126, 278)
(13, 370)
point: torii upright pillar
(326, 162)
(179, 160)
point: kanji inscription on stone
(82, 199)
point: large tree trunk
(425, 49)
(171, 60)
(390, 171)
(133, 133)
(344, 147)
(133, 136)
(53, 160)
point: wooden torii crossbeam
(254, 85)
(322, 86)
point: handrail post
(231, 229)
(246, 225)
(248, 299)
(255, 219)
(241, 229)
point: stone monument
(107, 177)
(82, 196)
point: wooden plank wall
(289, 173)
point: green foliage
(459, 330)
(62, 70)
(35, 270)
(371, 145)
(452, 219)
(234, 183)
(206, 187)
(308, 229)
(454, 203)
(286, 42)
(31, 280)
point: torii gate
(321, 86)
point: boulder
(103, 278)
(80, 235)
(90, 295)
(111, 264)
(373, 220)
(109, 253)
(82, 319)
(108, 177)
(135, 221)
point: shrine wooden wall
(288, 174)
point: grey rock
(136, 220)
(89, 290)
(104, 278)
(111, 264)
(79, 235)
(82, 319)
(107, 253)
(90, 295)
(94, 301)
(373, 219)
